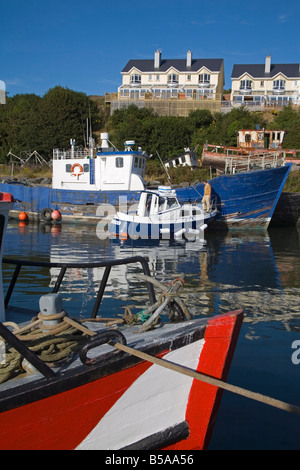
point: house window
(119, 162)
(173, 79)
(165, 94)
(135, 79)
(150, 78)
(204, 78)
(157, 78)
(134, 94)
(261, 83)
(278, 85)
(124, 92)
(189, 77)
(246, 85)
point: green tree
(29, 122)
(288, 119)
(64, 114)
(19, 124)
(130, 124)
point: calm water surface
(257, 272)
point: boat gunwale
(76, 376)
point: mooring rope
(208, 379)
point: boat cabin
(188, 158)
(105, 169)
(157, 202)
(260, 138)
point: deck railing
(254, 161)
(62, 154)
(63, 268)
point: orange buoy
(55, 215)
(23, 216)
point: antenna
(164, 167)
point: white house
(265, 84)
(160, 78)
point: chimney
(157, 59)
(268, 64)
(189, 59)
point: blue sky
(84, 45)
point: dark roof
(258, 70)
(147, 65)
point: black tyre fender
(46, 214)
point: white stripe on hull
(155, 401)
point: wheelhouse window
(135, 79)
(204, 78)
(173, 79)
(119, 162)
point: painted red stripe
(64, 420)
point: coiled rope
(53, 343)
(168, 297)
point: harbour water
(258, 272)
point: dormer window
(246, 85)
(173, 79)
(279, 85)
(204, 78)
(135, 79)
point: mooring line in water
(208, 379)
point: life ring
(46, 214)
(78, 173)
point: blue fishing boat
(90, 184)
(248, 188)
(159, 215)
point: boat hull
(124, 402)
(243, 200)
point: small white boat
(159, 215)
